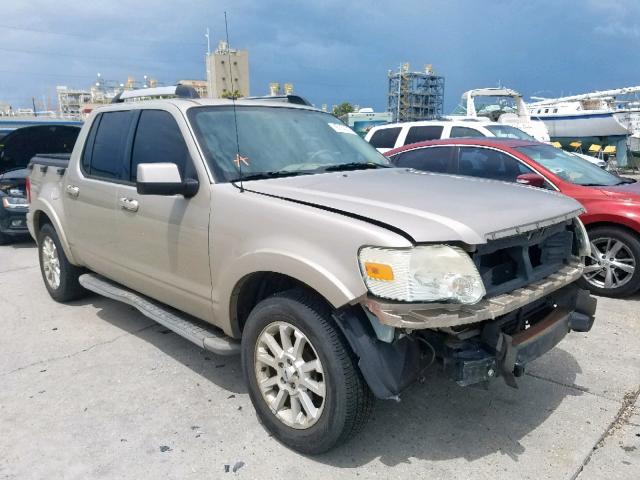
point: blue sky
(331, 51)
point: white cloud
(618, 30)
(612, 17)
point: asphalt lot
(96, 390)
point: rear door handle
(72, 191)
(129, 204)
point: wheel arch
(40, 217)
(625, 226)
(254, 287)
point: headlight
(584, 244)
(434, 273)
(14, 202)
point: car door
(165, 239)
(90, 191)
(437, 159)
(486, 162)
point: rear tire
(339, 402)
(613, 269)
(60, 277)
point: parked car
(612, 203)
(17, 149)
(273, 230)
(395, 135)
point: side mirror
(532, 179)
(163, 179)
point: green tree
(228, 94)
(342, 109)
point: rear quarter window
(423, 133)
(465, 132)
(385, 137)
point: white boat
(503, 105)
(597, 114)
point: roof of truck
(186, 103)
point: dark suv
(17, 149)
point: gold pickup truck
(270, 229)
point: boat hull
(585, 124)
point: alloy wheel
(611, 263)
(290, 375)
(50, 263)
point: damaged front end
(531, 303)
(391, 359)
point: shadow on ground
(435, 420)
(223, 371)
(23, 242)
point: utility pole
(208, 63)
(399, 85)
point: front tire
(303, 379)
(59, 275)
(613, 269)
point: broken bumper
(500, 354)
(434, 315)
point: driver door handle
(72, 190)
(129, 204)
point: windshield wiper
(272, 174)
(624, 181)
(353, 166)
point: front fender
(629, 219)
(333, 281)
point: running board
(202, 334)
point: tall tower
(415, 95)
(226, 67)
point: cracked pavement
(94, 389)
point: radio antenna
(239, 159)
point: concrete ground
(96, 390)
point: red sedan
(612, 203)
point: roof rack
(295, 99)
(180, 91)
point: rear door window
(423, 133)
(158, 140)
(465, 132)
(385, 137)
(489, 163)
(108, 151)
(431, 159)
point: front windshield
(507, 131)
(278, 141)
(569, 167)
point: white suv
(393, 135)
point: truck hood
(427, 207)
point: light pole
(208, 64)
